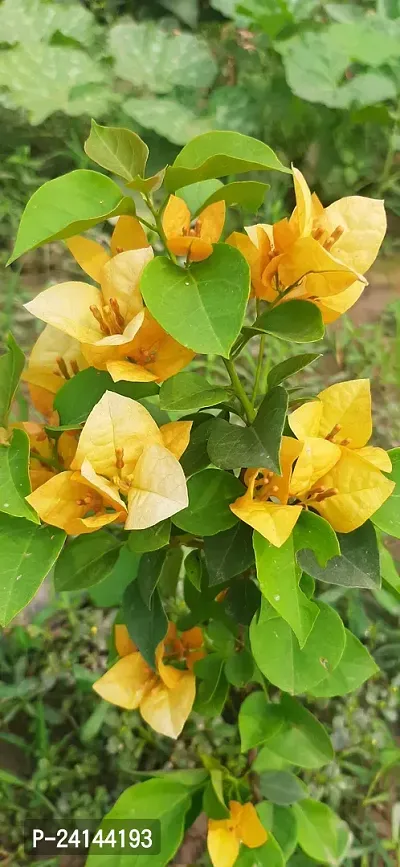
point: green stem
(239, 390)
(159, 227)
(259, 362)
(149, 225)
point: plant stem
(259, 361)
(149, 225)
(239, 390)
(159, 227)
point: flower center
(333, 433)
(62, 368)
(109, 317)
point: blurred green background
(320, 83)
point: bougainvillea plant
(225, 510)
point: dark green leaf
(149, 574)
(259, 720)
(76, 399)
(292, 365)
(221, 639)
(196, 457)
(210, 494)
(150, 539)
(194, 568)
(147, 626)
(258, 445)
(313, 532)
(28, 551)
(213, 800)
(218, 154)
(66, 206)
(86, 561)
(277, 653)
(242, 600)
(111, 589)
(186, 392)
(11, 366)
(296, 321)
(358, 565)
(212, 691)
(229, 553)
(14, 478)
(281, 787)
(355, 667)
(119, 150)
(202, 306)
(239, 669)
(387, 518)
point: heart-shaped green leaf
(296, 321)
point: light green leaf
(202, 306)
(77, 397)
(365, 89)
(313, 532)
(259, 720)
(318, 831)
(314, 65)
(282, 823)
(389, 571)
(210, 494)
(186, 392)
(218, 154)
(196, 195)
(228, 553)
(86, 561)
(355, 667)
(268, 855)
(296, 321)
(239, 669)
(186, 10)
(11, 366)
(150, 539)
(159, 798)
(119, 150)
(28, 552)
(14, 478)
(282, 787)
(213, 799)
(248, 195)
(290, 366)
(387, 518)
(31, 21)
(231, 446)
(302, 740)
(372, 40)
(66, 206)
(278, 576)
(357, 566)
(168, 118)
(278, 655)
(155, 60)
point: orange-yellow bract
(55, 358)
(125, 469)
(195, 243)
(164, 697)
(317, 254)
(329, 468)
(225, 835)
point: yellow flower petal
(127, 235)
(43, 366)
(176, 217)
(284, 236)
(251, 832)
(254, 257)
(210, 222)
(123, 642)
(334, 306)
(120, 279)
(377, 457)
(347, 404)
(301, 220)
(364, 224)
(188, 245)
(126, 683)
(157, 488)
(90, 255)
(306, 420)
(176, 436)
(320, 273)
(166, 710)
(67, 445)
(222, 843)
(116, 422)
(362, 490)
(129, 372)
(67, 307)
(155, 350)
(100, 484)
(274, 521)
(58, 502)
(316, 459)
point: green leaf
(12, 364)
(157, 60)
(77, 397)
(366, 89)
(210, 494)
(186, 10)
(86, 561)
(218, 154)
(267, 855)
(221, 639)
(389, 571)
(159, 798)
(229, 553)
(147, 626)
(258, 445)
(242, 600)
(357, 566)
(259, 720)
(14, 478)
(387, 518)
(150, 539)
(278, 576)
(196, 195)
(32, 21)
(196, 457)
(66, 206)
(282, 823)
(278, 655)
(355, 667)
(109, 592)
(187, 392)
(302, 740)
(28, 552)
(317, 828)
(287, 368)
(149, 574)
(248, 195)
(167, 117)
(119, 150)
(202, 306)
(313, 532)
(213, 799)
(239, 669)
(296, 321)
(194, 568)
(213, 690)
(282, 787)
